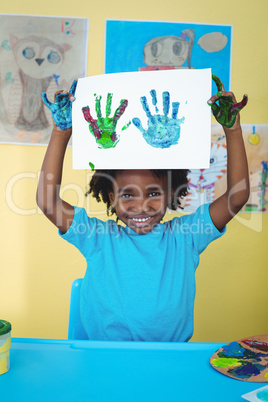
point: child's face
(140, 199)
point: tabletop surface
(62, 370)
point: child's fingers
(45, 100)
(73, 89)
(221, 95)
(218, 83)
(213, 99)
(240, 105)
(60, 95)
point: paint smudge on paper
(162, 131)
(104, 128)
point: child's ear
(111, 197)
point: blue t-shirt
(140, 287)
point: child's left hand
(61, 109)
(227, 111)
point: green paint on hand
(226, 111)
(104, 128)
(225, 362)
(217, 82)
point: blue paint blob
(247, 370)
(263, 395)
(234, 349)
(162, 131)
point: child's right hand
(61, 109)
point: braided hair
(101, 184)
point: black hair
(101, 184)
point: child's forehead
(147, 176)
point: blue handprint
(61, 109)
(162, 131)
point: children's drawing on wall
(148, 45)
(38, 54)
(208, 184)
(141, 119)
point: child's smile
(140, 199)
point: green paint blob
(126, 126)
(225, 362)
(91, 165)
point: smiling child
(140, 279)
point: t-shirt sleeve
(83, 232)
(200, 228)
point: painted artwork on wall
(208, 184)
(38, 54)
(152, 119)
(149, 45)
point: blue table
(61, 370)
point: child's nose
(141, 204)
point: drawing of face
(166, 51)
(140, 199)
(38, 57)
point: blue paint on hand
(61, 109)
(162, 131)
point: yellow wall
(37, 267)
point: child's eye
(154, 194)
(125, 196)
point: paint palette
(245, 360)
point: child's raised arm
(226, 113)
(48, 198)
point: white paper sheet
(191, 88)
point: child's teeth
(140, 219)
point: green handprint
(226, 111)
(103, 128)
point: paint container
(5, 344)
(259, 395)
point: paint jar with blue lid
(5, 344)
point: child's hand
(61, 109)
(227, 112)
